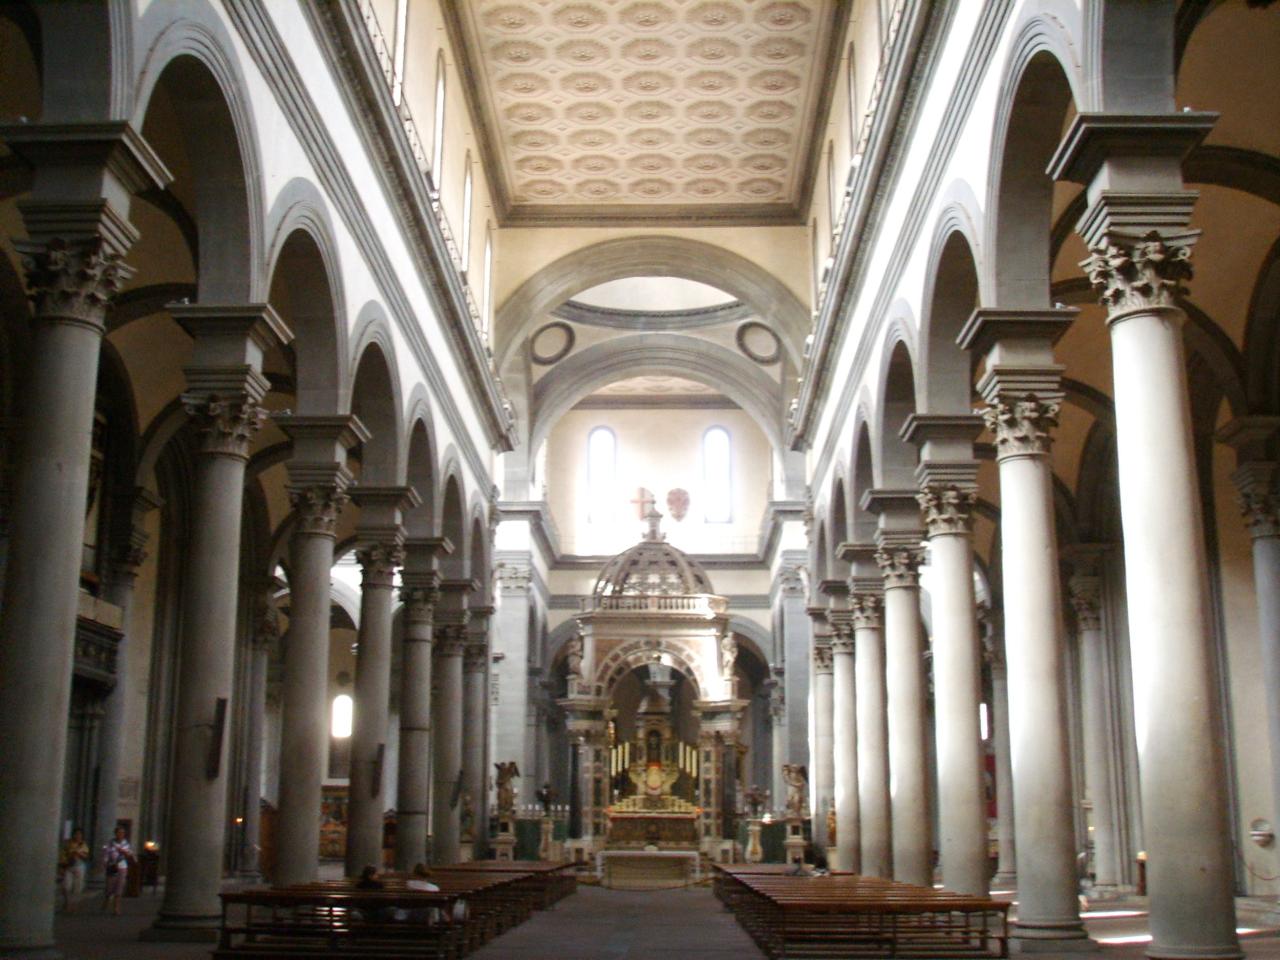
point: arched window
(602, 466)
(833, 186)
(855, 120)
(398, 48)
(437, 125)
(467, 190)
(717, 476)
(343, 709)
(486, 284)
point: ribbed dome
(652, 567)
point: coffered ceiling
(637, 110)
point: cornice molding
(253, 22)
(576, 312)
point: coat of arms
(678, 503)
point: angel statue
(506, 790)
(796, 776)
(728, 654)
(573, 655)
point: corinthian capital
(420, 592)
(947, 508)
(474, 656)
(868, 611)
(72, 279)
(380, 561)
(226, 424)
(1261, 512)
(1086, 600)
(822, 658)
(900, 565)
(1022, 424)
(1136, 272)
(318, 507)
(451, 639)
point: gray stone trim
(678, 320)
(852, 258)
(264, 43)
(674, 401)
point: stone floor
(597, 924)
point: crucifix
(644, 502)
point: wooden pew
(847, 915)
(554, 880)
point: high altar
(655, 782)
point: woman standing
(74, 862)
(116, 856)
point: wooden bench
(554, 880)
(848, 915)
(334, 919)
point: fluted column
(380, 554)
(420, 591)
(451, 641)
(475, 661)
(823, 776)
(224, 391)
(844, 744)
(119, 591)
(1006, 877)
(265, 634)
(873, 733)
(1022, 386)
(318, 483)
(904, 682)
(1140, 255)
(1086, 599)
(1256, 479)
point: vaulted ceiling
(626, 110)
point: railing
(386, 61)
(699, 603)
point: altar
(647, 869)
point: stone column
(451, 641)
(119, 591)
(420, 591)
(1140, 253)
(1022, 384)
(823, 776)
(847, 853)
(778, 731)
(225, 386)
(1086, 599)
(1257, 479)
(873, 732)
(318, 483)
(948, 477)
(72, 260)
(904, 683)
(1006, 877)
(381, 554)
(794, 658)
(475, 708)
(265, 635)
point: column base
(1065, 937)
(1005, 881)
(199, 929)
(1232, 952)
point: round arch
(650, 256)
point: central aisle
(599, 924)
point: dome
(652, 567)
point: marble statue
(573, 654)
(796, 776)
(506, 790)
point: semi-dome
(652, 567)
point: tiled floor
(597, 924)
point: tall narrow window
(342, 713)
(717, 476)
(817, 264)
(833, 187)
(398, 48)
(467, 190)
(437, 125)
(602, 463)
(486, 285)
(855, 119)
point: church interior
(797, 477)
